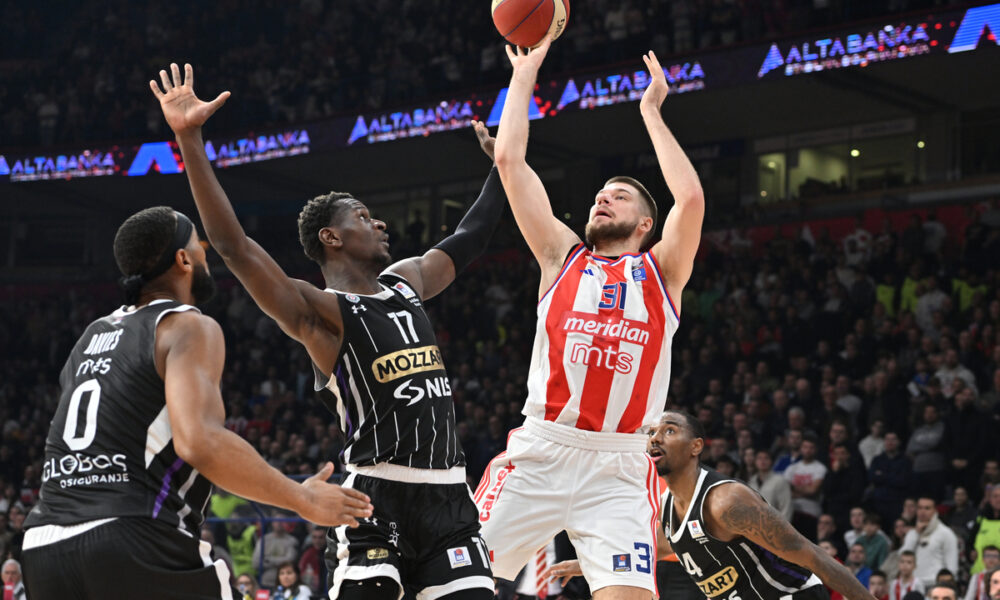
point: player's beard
(611, 232)
(202, 285)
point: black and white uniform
(119, 513)
(392, 395)
(734, 570)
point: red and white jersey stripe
(601, 359)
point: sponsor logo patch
(720, 583)
(639, 272)
(621, 562)
(403, 363)
(405, 290)
(459, 557)
(377, 554)
(695, 528)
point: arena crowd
(62, 85)
(855, 382)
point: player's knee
(376, 588)
(471, 594)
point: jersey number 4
(91, 389)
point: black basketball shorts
(424, 536)
(126, 558)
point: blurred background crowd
(290, 62)
(854, 381)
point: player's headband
(182, 234)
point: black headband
(182, 235)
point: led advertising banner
(892, 39)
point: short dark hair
(318, 213)
(650, 205)
(873, 518)
(142, 238)
(878, 573)
(693, 425)
(909, 553)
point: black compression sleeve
(477, 226)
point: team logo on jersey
(621, 562)
(433, 387)
(405, 290)
(459, 557)
(720, 583)
(377, 554)
(403, 363)
(352, 298)
(695, 528)
(639, 272)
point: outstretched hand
(486, 142)
(524, 59)
(183, 110)
(657, 90)
(332, 505)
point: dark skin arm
(431, 273)
(190, 353)
(304, 312)
(733, 510)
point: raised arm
(548, 238)
(190, 353)
(682, 230)
(281, 297)
(735, 510)
(431, 273)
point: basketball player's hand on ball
(486, 142)
(183, 110)
(563, 571)
(528, 61)
(331, 505)
(657, 89)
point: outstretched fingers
(214, 105)
(175, 73)
(188, 75)
(165, 80)
(156, 89)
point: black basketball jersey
(734, 570)
(109, 451)
(390, 388)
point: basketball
(526, 22)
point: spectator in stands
(826, 529)
(994, 579)
(961, 515)
(907, 581)
(218, 551)
(935, 545)
(926, 449)
(312, 565)
(856, 563)
(986, 531)
(856, 521)
(978, 588)
(278, 547)
(890, 478)
(13, 587)
(878, 585)
(952, 371)
(842, 485)
(247, 587)
(875, 542)
(873, 444)
(289, 587)
(793, 444)
(806, 479)
(772, 486)
(943, 591)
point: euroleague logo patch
(405, 290)
(459, 557)
(621, 563)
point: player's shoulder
(187, 323)
(725, 492)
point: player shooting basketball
(601, 361)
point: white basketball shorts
(601, 488)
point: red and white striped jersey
(601, 360)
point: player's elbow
(507, 158)
(693, 196)
(194, 447)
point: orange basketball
(526, 22)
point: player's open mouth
(655, 454)
(602, 213)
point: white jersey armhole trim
(687, 514)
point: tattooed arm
(735, 510)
